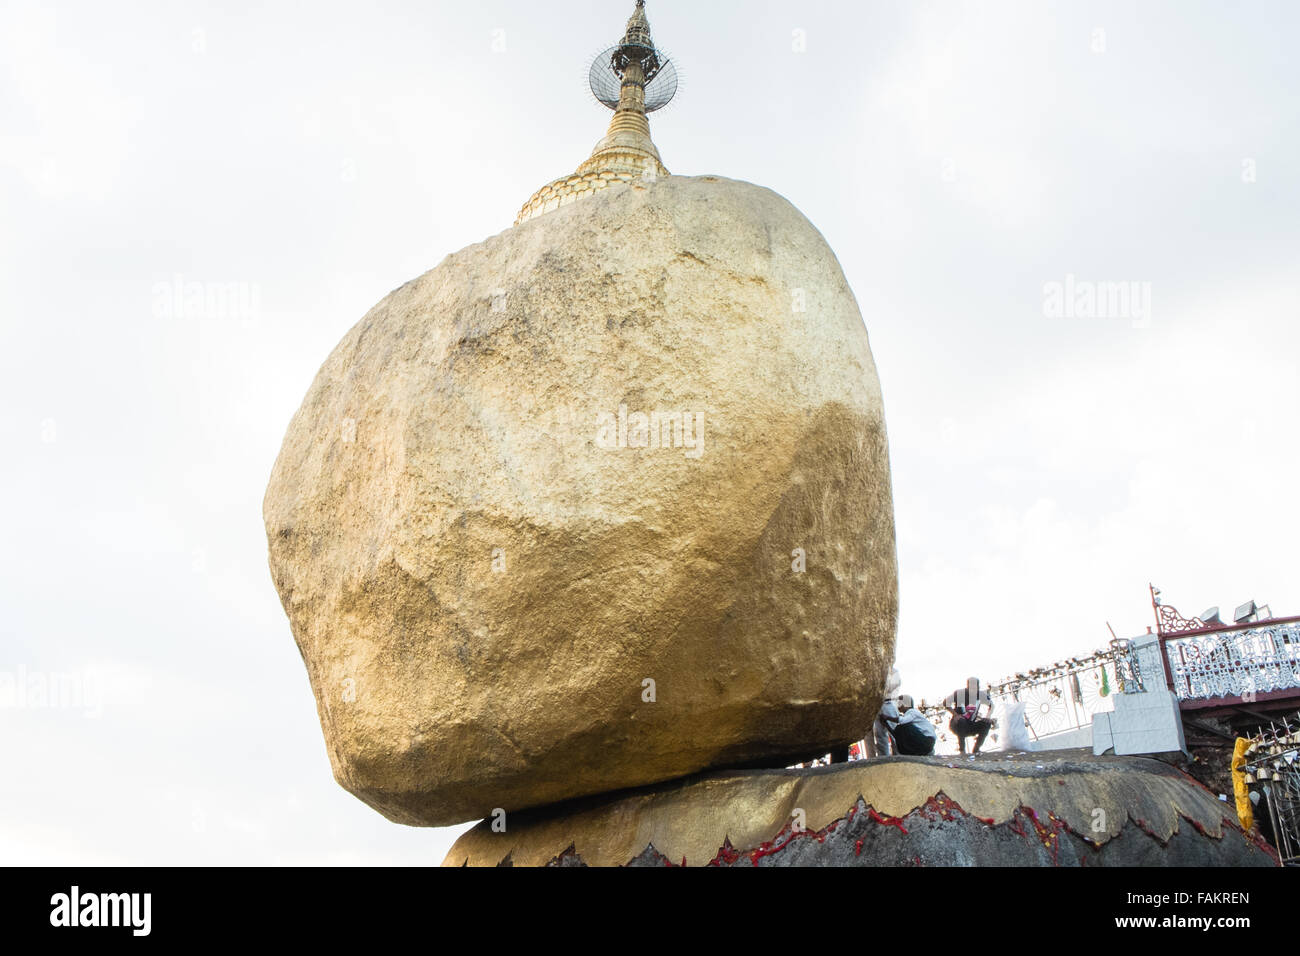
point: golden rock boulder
(601, 501)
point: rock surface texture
(1043, 809)
(601, 501)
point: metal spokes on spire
(605, 82)
(636, 61)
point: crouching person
(912, 732)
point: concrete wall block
(1102, 738)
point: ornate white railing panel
(1241, 663)
(1130, 675)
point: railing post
(1164, 659)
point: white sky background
(323, 153)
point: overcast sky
(959, 157)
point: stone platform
(1059, 808)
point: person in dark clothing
(968, 725)
(912, 732)
(964, 705)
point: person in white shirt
(912, 732)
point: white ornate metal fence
(1244, 663)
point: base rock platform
(1059, 808)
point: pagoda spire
(636, 60)
(626, 152)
